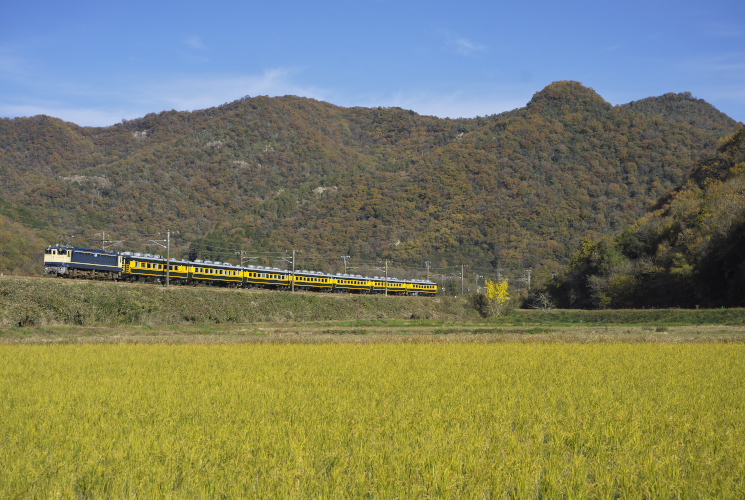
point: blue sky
(96, 63)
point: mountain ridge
(516, 189)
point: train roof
(82, 249)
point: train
(86, 263)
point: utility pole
(386, 278)
(167, 246)
(477, 282)
(242, 256)
(427, 264)
(462, 289)
(344, 258)
(292, 275)
(529, 271)
(168, 258)
(104, 241)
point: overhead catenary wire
(513, 271)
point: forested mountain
(689, 251)
(519, 189)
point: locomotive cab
(56, 260)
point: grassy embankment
(46, 301)
(38, 309)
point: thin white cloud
(459, 104)
(461, 45)
(152, 95)
(191, 93)
(732, 63)
(466, 47)
(611, 48)
(725, 30)
(195, 42)
(11, 66)
(80, 116)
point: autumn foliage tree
(495, 300)
(688, 251)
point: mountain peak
(565, 92)
(684, 108)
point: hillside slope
(517, 190)
(689, 251)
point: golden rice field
(384, 420)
